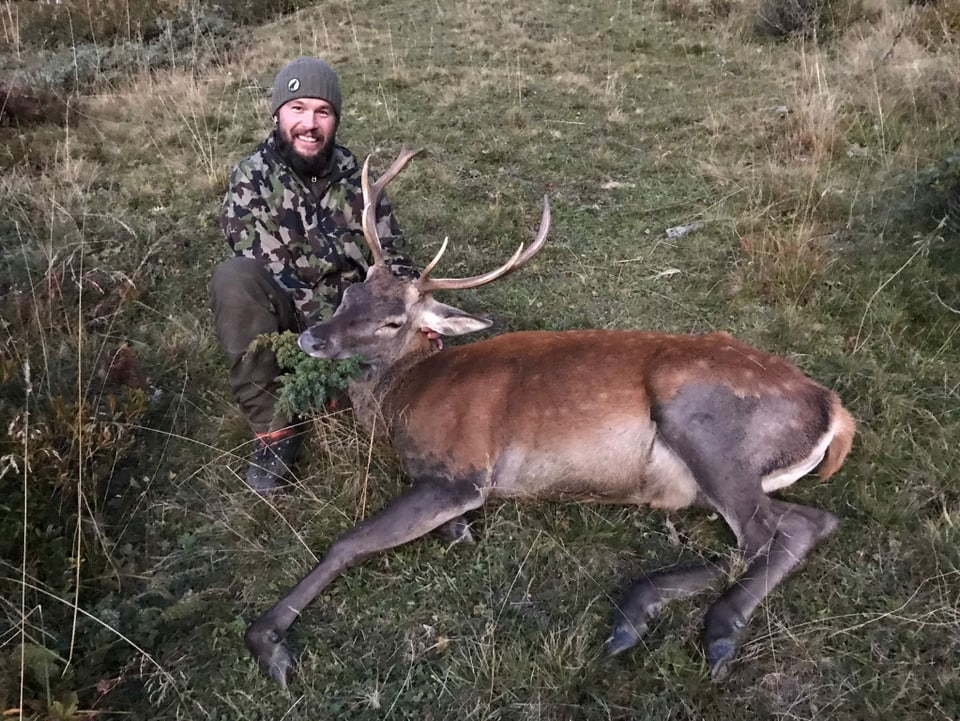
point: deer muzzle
(312, 345)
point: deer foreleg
(797, 530)
(424, 507)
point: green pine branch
(308, 383)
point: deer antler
(371, 197)
(519, 258)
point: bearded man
(292, 215)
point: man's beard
(307, 167)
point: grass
(815, 170)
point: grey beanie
(306, 78)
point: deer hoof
(720, 653)
(270, 650)
(639, 606)
(723, 627)
(625, 634)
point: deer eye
(391, 325)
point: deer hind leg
(423, 508)
(727, 442)
(794, 532)
(644, 599)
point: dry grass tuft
(893, 73)
(814, 127)
(786, 266)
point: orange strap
(275, 435)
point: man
(292, 217)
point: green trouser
(246, 301)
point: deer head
(383, 318)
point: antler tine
(431, 286)
(371, 197)
(541, 239)
(519, 258)
(368, 219)
(436, 259)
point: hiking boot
(272, 460)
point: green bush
(309, 383)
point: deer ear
(447, 320)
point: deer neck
(370, 392)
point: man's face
(308, 125)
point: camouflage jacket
(308, 234)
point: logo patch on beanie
(294, 85)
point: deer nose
(309, 343)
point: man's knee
(246, 302)
(238, 272)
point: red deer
(628, 417)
